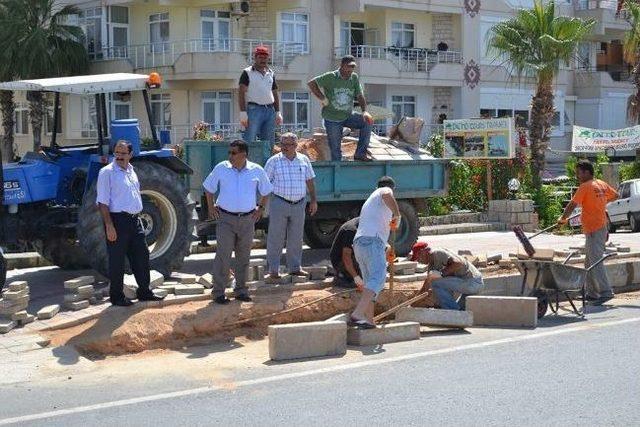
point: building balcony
(378, 64)
(595, 82)
(609, 25)
(203, 58)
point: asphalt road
(565, 372)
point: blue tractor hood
(32, 179)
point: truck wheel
(3, 270)
(319, 234)
(168, 217)
(612, 228)
(407, 234)
(65, 253)
(634, 223)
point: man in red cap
(456, 274)
(259, 102)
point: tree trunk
(633, 103)
(36, 116)
(541, 117)
(7, 107)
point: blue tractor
(49, 196)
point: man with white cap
(456, 274)
(259, 102)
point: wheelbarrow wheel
(543, 303)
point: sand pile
(132, 330)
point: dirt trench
(121, 331)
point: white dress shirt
(119, 189)
(237, 188)
(289, 177)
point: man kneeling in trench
(448, 273)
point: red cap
(417, 248)
(261, 50)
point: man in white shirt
(236, 181)
(119, 201)
(292, 175)
(379, 215)
(258, 101)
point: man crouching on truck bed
(456, 274)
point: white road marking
(338, 368)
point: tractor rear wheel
(168, 219)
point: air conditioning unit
(240, 8)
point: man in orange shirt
(593, 195)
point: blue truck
(341, 187)
(48, 197)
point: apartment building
(416, 58)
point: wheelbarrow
(549, 280)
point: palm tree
(631, 50)
(48, 47)
(7, 104)
(535, 42)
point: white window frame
(403, 103)
(88, 19)
(292, 18)
(88, 117)
(49, 112)
(113, 103)
(22, 109)
(217, 98)
(158, 19)
(164, 100)
(295, 98)
(404, 31)
(118, 51)
(216, 44)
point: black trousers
(130, 242)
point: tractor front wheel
(65, 253)
(3, 270)
(167, 218)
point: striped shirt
(289, 177)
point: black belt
(289, 201)
(127, 214)
(259, 105)
(235, 213)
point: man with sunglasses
(292, 176)
(236, 181)
(341, 87)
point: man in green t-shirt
(340, 88)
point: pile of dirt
(131, 330)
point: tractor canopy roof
(82, 85)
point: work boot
(299, 273)
(244, 298)
(222, 300)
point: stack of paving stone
(78, 292)
(13, 305)
(256, 271)
(186, 284)
(131, 286)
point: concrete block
(48, 312)
(78, 305)
(260, 272)
(494, 258)
(316, 273)
(506, 263)
(75, 297)
(7, 325)
(156, 280)
(418, 277)
(299, 279)
(524, 218)
(18, 285)
(84, 291)
(544, 254)
(481, 262)
(312, 339)
(250, 274)
(15, 295)
(421, 268)
(436, 317)
(503, 311)
(185, 279)
(258, 262)
(79, 281)
(130, 291)
(189, 289)
(29, 319)
(171, 289)
(384, 334)
(19, 315)
(527, 205)
(162, 293)
(405, 265)
(94, 301)
(342, 317)
(206, 280)
(464, 252)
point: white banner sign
(587, 140)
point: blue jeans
(262, 123)
(334, 135)
(445, 287)
(369, 252)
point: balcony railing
(611, 5)
(166, 53)
(618, 72)
(405, 59)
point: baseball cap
(261, 50)
(348, 60)
(417, 248)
